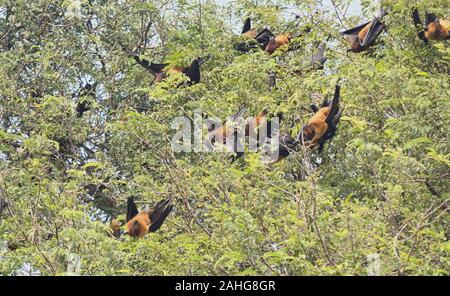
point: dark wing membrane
(263, 37)
(334, 106)
(332, 119)
(416, 18)
(246, 46)
(375, 30)
(131, 209)
(193, 72)
(429, 18)
(158, 222)
(159, 213)
(247, 26)
(419, 25)
(353, 33)
(151, 67)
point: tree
(380, 186)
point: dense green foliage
(380, 187)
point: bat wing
(416, 18)
(374, 31)
(131, 209)
(151, 67)
(353, 33)
(334, 106)
(157, 224)
(193, 72)
(264, 37)
(429, 18)
(419, 25)
(247, 26)
(159, 213)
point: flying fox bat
(260, 40)
(161, 71)
(149, 220)
(247, 30)
(323, 124)
(263, 128)
(435, 28)
(277, 42)
(364, 36)
(318, 59)
(84, 104)
(225, 130)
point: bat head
(356, 46)
(308, 133)
(139, 225)
(271, 46)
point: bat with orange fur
(277, 42)
(364, 36)
(148, 220)
(256, 123)
(435, 28)
(254, 39)
(114, 226)
(323, 124)
(247, 30)
(225, 130)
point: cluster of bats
(320, 128)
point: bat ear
(131, 209)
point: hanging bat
(149, 220)
(287, 144)
(249, 35)
(277, 42)
(254, 123)
(364, 36)
(161, 71)
(319, 59)
(247, 30)
(84, 104)
(323, 124)
(225, 130)
(435, 29)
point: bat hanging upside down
(323, 124)
(364, 36)
(265, 39)
(252, 38)
(148, 220)
(161, 71)
(277, 42)
(435, 28)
